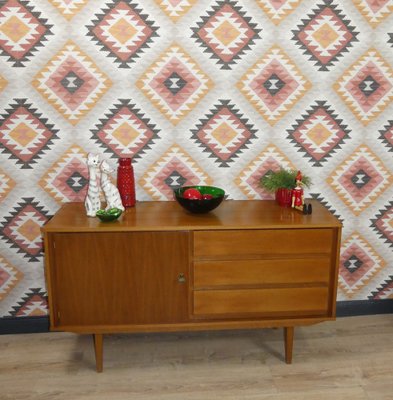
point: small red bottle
(126, 182)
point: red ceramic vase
(284, 197)
(126, 182)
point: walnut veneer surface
(247, 264)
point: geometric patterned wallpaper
(209, 91)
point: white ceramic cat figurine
(92, 200)
(112, 195)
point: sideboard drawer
(261, 272)
(245, 302)
(231, 244)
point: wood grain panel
(120, 278)
(252, 243)
(262, 272)
(278, 301)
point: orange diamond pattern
(72, 83)
(174, 83)
(366, 87)
(273, 85)
(360, 179)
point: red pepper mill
(126, 182)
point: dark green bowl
(109, 215)
(200, 206)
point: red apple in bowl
(192, 194)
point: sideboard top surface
(169, 216)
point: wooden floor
(351, 359)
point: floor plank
(350, 358)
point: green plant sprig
(283, 178)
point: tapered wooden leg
(288, 335)
(98, 349)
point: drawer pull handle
(181, 278)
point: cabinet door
(120, 278)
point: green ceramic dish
(109, 215)
(200, 206)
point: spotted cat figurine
(112, 195)
(92, 200)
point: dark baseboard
(364, 307)
(10, 325)
(24, 325)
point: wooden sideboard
(247, 264)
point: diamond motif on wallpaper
(22, 31)
(224, 133)
(175, 168)
(325, 35)
(175, 9)
(33, 304)
(67, 179)
(69, 8)
(386, 135)
(3, 83)
(273, 85)
(374, 11)
(24, 134)
(270, 159)
(360, 179)
(6, 185)
(123, 31)
(71, 83)
(125, 131)
(22, 228)
(277, 10)
(174, 83)
(366, 86)
(385, 291)
(226, 32)
(359, 263)
(383, 224)
(9, 277)
(319, 133)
